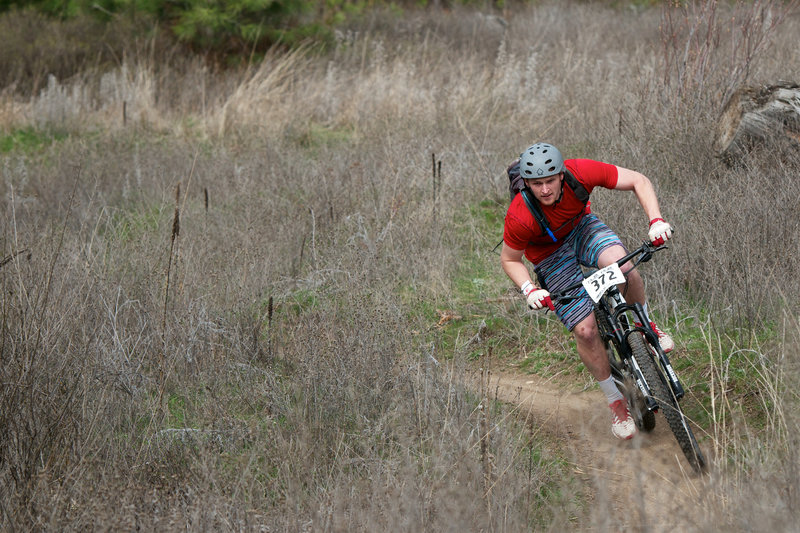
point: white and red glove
(537, 299)
(660, 231)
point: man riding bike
(551, 225)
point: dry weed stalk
(56, 255)
(694, 39)
(437, 183)
(176, 230)
(172, 259)
(7, 259)
(486, 456)
(269, 329)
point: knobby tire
(644, 418)
(667, 402)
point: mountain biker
(578, 236)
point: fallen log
(759, 117)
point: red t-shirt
(522, 232)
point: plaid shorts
(582, 246)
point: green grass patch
(313, 136)
(134, 223)
(27, 140)
(301, 301)
(177, 405)
(540, 361)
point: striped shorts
(561, 269)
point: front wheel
(667, 402)
(645, 418)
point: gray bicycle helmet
(540, 160)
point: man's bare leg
(591, 349)
(592, 352)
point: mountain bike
(639, 366)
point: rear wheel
(667, 402)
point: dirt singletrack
(646, 481)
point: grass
(346, 404)
(26, 140)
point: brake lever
(648, 249)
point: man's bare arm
(642, 187)
(511, 260)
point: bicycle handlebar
(644, 253)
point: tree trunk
(766, 116)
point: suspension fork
(614, 309)
(652, 343)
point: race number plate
(597, 284)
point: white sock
(610, 389)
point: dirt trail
(646, 480)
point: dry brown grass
(311, 188)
